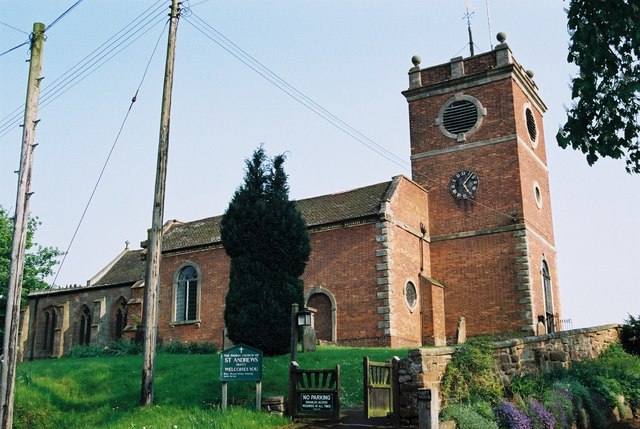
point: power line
(46, 28)
(214, 35)
(106, 162)
(14, 28)
(14, 48)
(92, 62)
(62, 16)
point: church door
(322, 321)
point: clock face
(464, 185)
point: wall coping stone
(562, 334)
(444, 350)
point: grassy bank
(104, 392)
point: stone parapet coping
(555, 335)
(446, 350)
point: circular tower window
(411, 295)
(460, 116)
(537, 194)
(531, 125)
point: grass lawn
(104, 392)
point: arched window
(186, 295)
(49, 329)
(548, 298)
(121, 318)
(84, 335)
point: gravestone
(461, 332)
(309, 339)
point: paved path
(352, 418)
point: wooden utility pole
(154, 248)
(14, 293)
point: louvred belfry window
(460, 116)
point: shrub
(484, 408)
(115, 348)
(466, 417)
(630, 335)
(85, 350)
(202, 348)
(510, 417)
(588, 414)
(594, 386)
(624, 369)
(529, 385)
(23, 377)
(178, 348)
(123, 348)
(471, 373)
(559, 402)
(540, 417)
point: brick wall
(481, 283)
(213, 267)
(407, 254)
(343, 262)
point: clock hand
(464, 183)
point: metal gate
(381, 389)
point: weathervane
(468, 14)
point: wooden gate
(314, 392)
(381, 389)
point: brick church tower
(477, 146)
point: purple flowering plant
(509, 416)
(540, 417)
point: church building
(399, 263)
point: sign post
(241, 363)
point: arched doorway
(324, 304)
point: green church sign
(241, 363)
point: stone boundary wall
(424, 368)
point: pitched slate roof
(129, 268)
(323, 210)
(317, 211)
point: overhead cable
(106, 162)
(92, 62)
(214, 35)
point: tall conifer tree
(266, 238)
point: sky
(349, 57)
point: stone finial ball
(530, 73)
(416, 60)
(502, 36)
